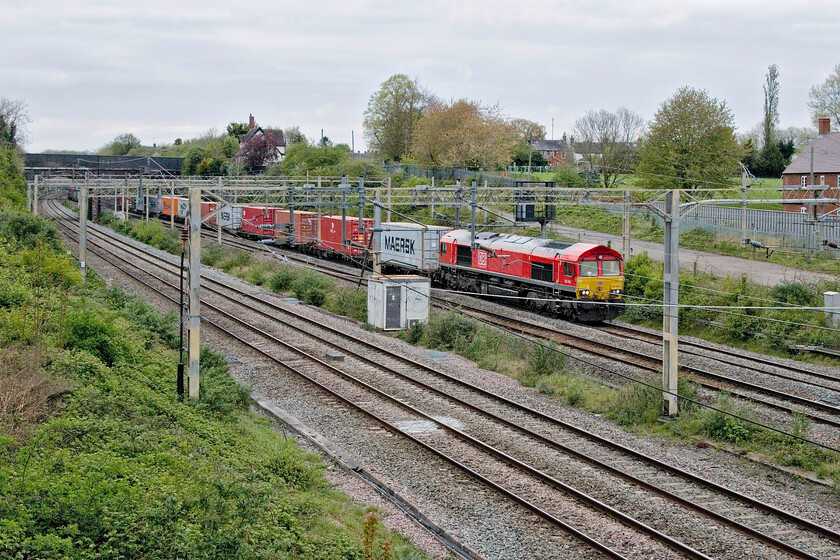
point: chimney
(251, 122)
(564, 137)
(824, 125)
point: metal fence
(775, 227)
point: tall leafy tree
(608, 140)
(121, 145)
(771, 104)
(391, 115)
(236, 129)
(690, 142)
(464, 134)
(825, 98)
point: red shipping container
(331, 235)
(206, 208)
(259, 220)
(305, 223)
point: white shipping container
(411, 245)
(398, 302)
(230, 216)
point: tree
(236, 129)
(690, 142)
(825, 98)
(771, 104)
(528, 130)
(391, 115)
(294, 135)
(798, 135)
(230, 146)
(259, 150)
(526, 154)
(607, 139)
(191, 162)
(465, 134)
(121, 145)
(14, 116)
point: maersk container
(398, 302)
(230, 216)
(183, 207)
(411, 245)
(155, 204)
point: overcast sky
(162, 70)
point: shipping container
(259, 220)
(155, 204)
(230, 216)
(305, 225)
(398, 302)
(410, 245)
(354, 243)
(206, 208)
(183, 207)
(169, 206)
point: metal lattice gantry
(359, 194)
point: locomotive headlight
(616, 292)
(584, 292)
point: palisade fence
(443, 174)
(771, 227)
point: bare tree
(14, 117)
(606, 139)
(771, 104)
(825, 98)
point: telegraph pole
(194, 317)
(377, 226)
(625, 227)
(35, 197)
(743, 206)
(83, 216)
(670, 323)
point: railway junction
(496, 470)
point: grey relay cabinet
(398, 302)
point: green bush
(220, 393)
(545, 359)
(95, 332)
(637, 405)
(450, 331)
(29, 230)
(350, 303)
(312, 287)
(282, 280)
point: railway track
(809, 392)
(505, 434)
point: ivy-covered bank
(98, 458)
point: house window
(838, 181)
(802, 180)
(562, 155)
(822, 179)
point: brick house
(814, 173)
(556, 152)
(253, 130)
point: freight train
(578, 281)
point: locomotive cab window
(443, 248)
(611, 267)
(568, 269)
(589, 268)
(542, 271)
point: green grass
(98, 457)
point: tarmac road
(760, 272)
